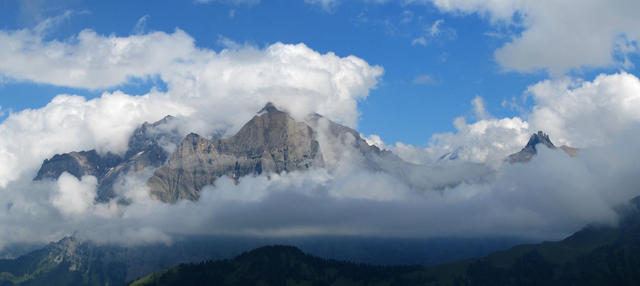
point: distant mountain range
(271, 142)
(592, 256)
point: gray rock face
(145, 150)
(270, 142)
(78, 164)
(526, 154)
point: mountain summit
(145, 149)
(271, 141)
(526, 154)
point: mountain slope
(283, 265)
(146, 148)
(271, 141)
(592, 256)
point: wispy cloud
(425, 79)
(327, 5)
(434, 32)
(141, 25)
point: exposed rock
(146, 149)
(271, 141)
(526, 154)
(338, 140)
(78, 164)
(451, 156)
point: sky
(435, 63)
(437, 56)
(418, 77)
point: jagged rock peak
(527, 153)
(269, 108)
(538, 138)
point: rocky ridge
(271, 142)
(526, 154)
(146, 148)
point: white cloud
(479, 108)
(141, 25)
(424, 79)
(218, 91)
(73, 196)
(327, 5)
(582, 113)
(573, 112)
(558, 35)
(419, 41)
(435, 27)
(524, 200)
(433, 32)
(214, 92)
(89, 60)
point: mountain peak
(538, 138)
(269, 108)
(530, 150)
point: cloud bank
(214, 93)
(558, 36)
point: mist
(214, 92)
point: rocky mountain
(147, 148)
(595, 255)
(526, 154)
(271, 142)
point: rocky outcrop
(147, 147)
(78, 164)
(526, 154)
(271, 142)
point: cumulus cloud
(573, 112)
(558, 36)
(586, 113)
(89, 60)
(546, 199)
(215, 92)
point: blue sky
(426, 83)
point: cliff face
(270, 142)
(146, 149)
